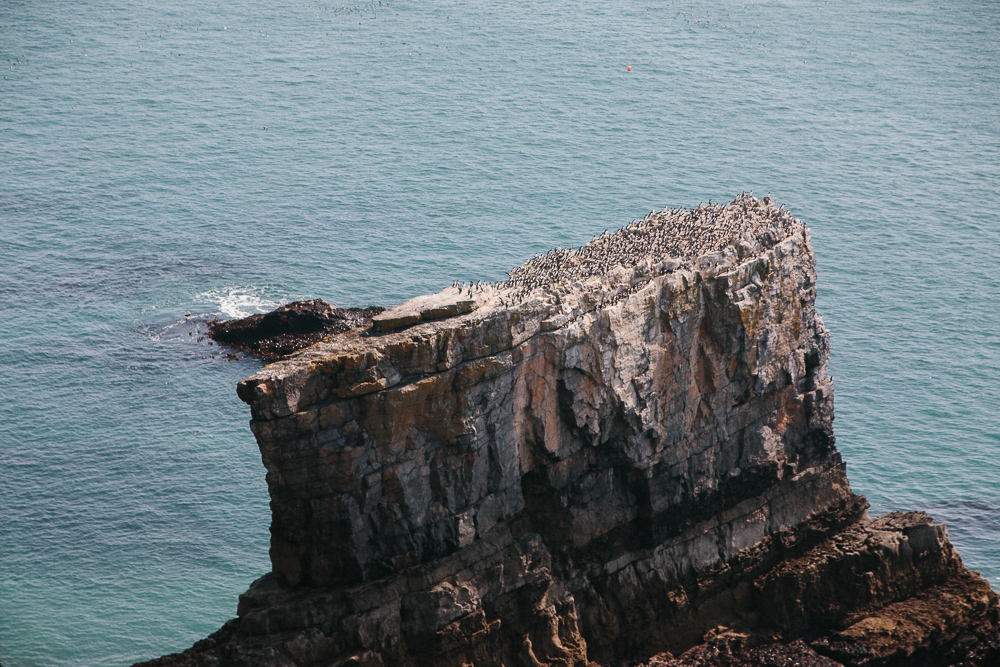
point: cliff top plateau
(623, 454)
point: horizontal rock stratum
(623, 454)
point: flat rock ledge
(621, 455)
(423, 309)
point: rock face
(622, 454)
(289, 328)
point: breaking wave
(234, 302)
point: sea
(163, 164)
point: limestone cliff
(622, 453)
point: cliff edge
(623, 454)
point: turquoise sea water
(214, 159)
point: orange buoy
(628, 69)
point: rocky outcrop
(623, 453)
(889, 591)
(288, 328)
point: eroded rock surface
(624, 453)
(889, 591)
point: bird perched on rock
(672, 234)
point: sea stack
(624, 454)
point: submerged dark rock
(624, 455)
(291, 327)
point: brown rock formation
(889, 591)
(623, 453)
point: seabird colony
(747, 224)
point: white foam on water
(235, 302)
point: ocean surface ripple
(162, 164)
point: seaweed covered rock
(289, 328)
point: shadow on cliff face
(291, 327)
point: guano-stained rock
(623, 453)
